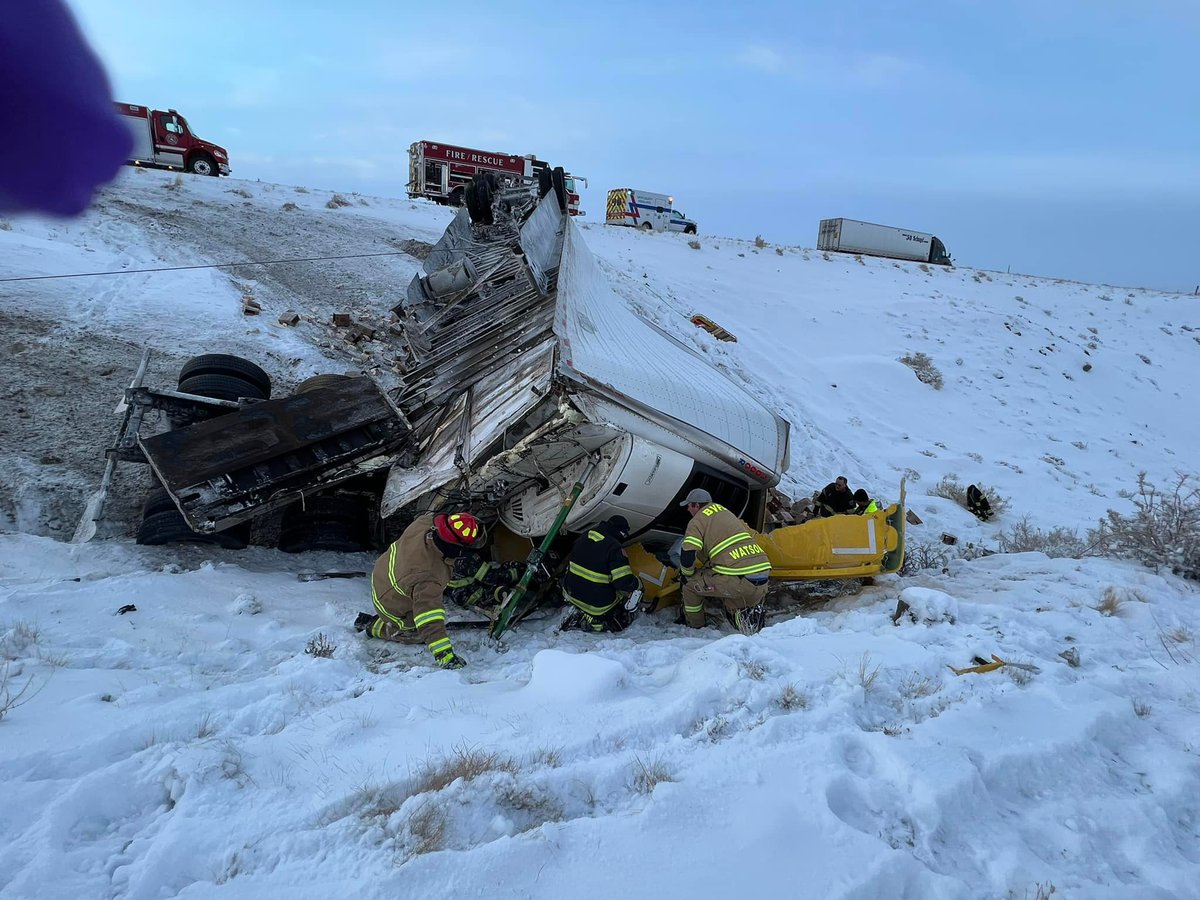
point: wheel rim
(202, 167)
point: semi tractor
(852, 236)
(442, 172)
(162, 139)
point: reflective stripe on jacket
(407, 584)
(596, 570)
(727, 542)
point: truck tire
(338, 522)
(170, 527)
(330, 537)
(203, 165)
(320, 381)
(222, 387)
(558, 178)
(456, 197)
(344, 508)
(157, 501)
(646, 226)
(226, 364)
(690, 229)
(545, 182)
(479, 196)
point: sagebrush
(1059, 542)
(926, 371)
(1163, 531)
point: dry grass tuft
(336, 201)
(791, 698)
(1181, 634)
(463, 763)
(1141, 708)
(550, 757)
(427, 828)
(915, 686)
(694, 244)
(649, 775)
(866, 674)
(205, 728)
(755, 671)
(1110, 603)
(533, 802)
(14, 694)
(759, 242)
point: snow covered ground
(192, 748)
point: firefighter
(863, 504)
(978, 503)
(480, 584)
(408, 580)
(735, 571)
(836, 498)
(599, 583)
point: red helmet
(457, 528)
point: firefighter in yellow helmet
(735, 568)
(408, 580)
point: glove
(448, 659)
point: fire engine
(441, 172)
(163, 140)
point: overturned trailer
(522, 370)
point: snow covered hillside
(192, 748)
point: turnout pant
(733, 591)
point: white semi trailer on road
(852, 236)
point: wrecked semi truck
(852, 236)
(524, 373)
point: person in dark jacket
(837, 498)
(599, 583)
(978, 503)
(863, 504)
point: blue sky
(1055, 137)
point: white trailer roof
(604, 345)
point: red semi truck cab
(441, 172)
(163, 140)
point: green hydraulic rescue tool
(535, 558)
